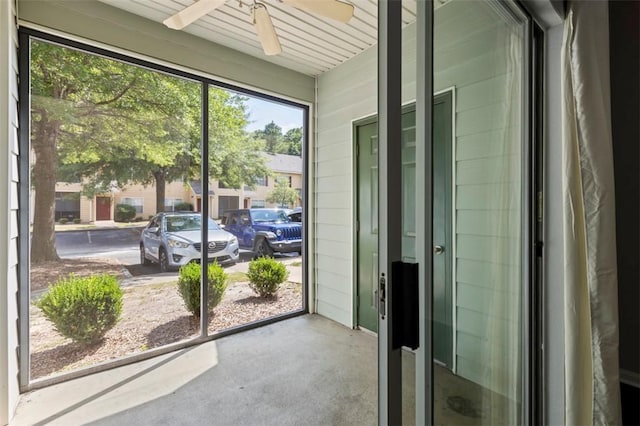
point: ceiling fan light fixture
(266, 31)
(192, 13)
(333, 9)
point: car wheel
(143, 258)
(263, 248)
(164, 261)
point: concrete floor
(303, 371)
(307, 370)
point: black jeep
(264, 231)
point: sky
(263, 112)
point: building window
(170, 204)
(136, 202)
(67, 205)
(256, 204)
(286, 179)
(262, 181)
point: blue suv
(264, 231)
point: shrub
(77, 220)
(83, 308)
(63, 220)
(183, 207)
(265, 275)
(189, 286)
(124, 213)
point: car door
(231, 225)
(152, 239)
(247, 233)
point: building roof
(196, 186)
(284, 163)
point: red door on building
(103, 208)
(199, 205)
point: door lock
(382, 292)
(438, 249)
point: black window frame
(25, 35)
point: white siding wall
(8, 211)
(345, 94)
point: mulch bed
(153, 315)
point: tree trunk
(43, 240)
(161, 181)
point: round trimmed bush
(183, 207)
(83, 308)
(77, 220)
(124, 213)
(265, 275)
(189, 286)
(63, 221)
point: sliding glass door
(454, 213)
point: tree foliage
(282, 194)
(276, 143)
(293, 141)
(108, 124)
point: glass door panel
(457, 161)
(479, 51)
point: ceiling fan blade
(334, 9)
(266, 32)
(192, 13)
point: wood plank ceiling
(311, 44)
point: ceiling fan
(333, 9)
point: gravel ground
(153, 315)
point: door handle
(438, 249)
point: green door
(367, 225)
(367, 213)
(442, 231)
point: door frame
(373, 118)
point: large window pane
(256, 168)
(110, 142)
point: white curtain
(592, 394)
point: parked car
(174, 239)
(264, 231)
(295, 215)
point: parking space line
(89, 237)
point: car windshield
(191, 222)
(277, 216)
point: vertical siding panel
(9, 387)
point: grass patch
(236, 277)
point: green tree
(282, 194)
(272, 137)
(293, 141)
(109, 124)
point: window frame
(25, 35)
(125, 200)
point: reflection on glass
(478, 51)
(111, 145)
